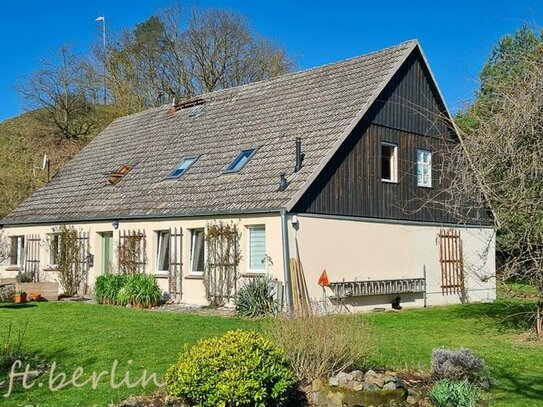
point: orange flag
(323, 280)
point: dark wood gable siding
(408, 113)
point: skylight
(241, 160)
(183, 167)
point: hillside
(23, 141)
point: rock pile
(359, 389)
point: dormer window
(241, 160)
(116, 176)
(185, 164)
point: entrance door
(107, 252)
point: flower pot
(20, 298)
(35, 296)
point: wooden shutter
(452, 262)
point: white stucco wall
(347, 249)
(193, 290)
(364, 250)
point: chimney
(283, 183)
(299, 155)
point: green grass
(93, 336)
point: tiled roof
(320, 105)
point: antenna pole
(105, 56)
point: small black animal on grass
(396, 303)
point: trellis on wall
(132, 251)
(452, 262)
(175, 272)
(32, 256)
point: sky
(456, 36)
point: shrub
(7, 293)
(24, 277)
(448, 393)
(321, 346)
(256, 298)
(462, 364)
(239, 369)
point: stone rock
(389, 386)
(388, 378)
(344, 378)
(390, 373)
(340, 397)
(357, 386)
(377, 380)
(369, 387)
(333, 381)
(357, 375)
(370, 373)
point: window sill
(253, 274)
(387, 181)
(50, 268)
(161, 275)
(194, 277)
(425, 186)
(13, 267)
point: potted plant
(20, 297)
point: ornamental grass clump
(256, 298)
(241, 369)
(450, 393)
(321, 346)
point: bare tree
(164, 57)
(500, 163)
(60, 87)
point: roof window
(116, 176)
(240, 161)
(185, 164)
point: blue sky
(456, 36)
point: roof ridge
(303, 71)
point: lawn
(92, 336)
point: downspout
(286, 260)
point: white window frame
(51, 236)
(192, 252)
(424, 164)
(20, 254)
(393, 162)
(160, 236)
(263, 260)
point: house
(332, 167)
